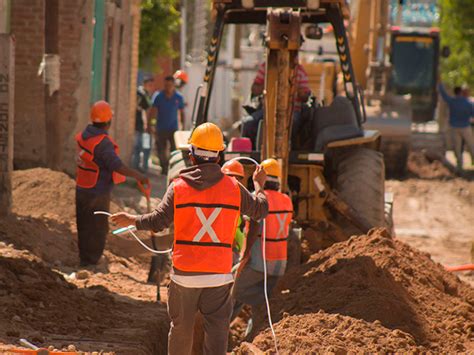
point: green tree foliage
(457, 32)
(159, 20)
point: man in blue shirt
(461, 109)
(167, 106)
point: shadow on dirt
(40, 305)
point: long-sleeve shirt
(201, 177)
(461, 109)
(105, 158)
(302, 82)
(253, 206)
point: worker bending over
(98, 168)
(249, 284)
(236, 170)
(205, 206)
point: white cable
(264, 235)
(265, 276)
(138, 239)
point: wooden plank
(7, 79)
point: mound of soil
(46, 299)
(48, 239)
(43, 192)
(40, 305)
(375, 285)
(332, 333)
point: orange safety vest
(205, 223)
(277, 223)
(87, 172)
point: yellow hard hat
(207, 136)
(272, 167)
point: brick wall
(27, 25)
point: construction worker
(98, 168)
(249, 283)
(180, 78)
(236, 170)
(461, 110)
(302, 93)
(205, 206)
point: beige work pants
(458, 136)
(215, 305)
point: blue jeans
(137, 150)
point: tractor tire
(360, 182)
(395, 158)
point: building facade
(69, 54)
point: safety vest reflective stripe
(208, 205)
(276, 239)
(277, 225)
(204, 244)
(205, 224)
(87, 172)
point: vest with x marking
(280, 211)
(205, 222)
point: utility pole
(184, 15)
(7, 78)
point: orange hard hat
(233, 168)
(181, 75)
(101, 112)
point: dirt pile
(43, 192)
(370, 293)
(40, 305)
(332, 333)
(48, 239)
(48, 300)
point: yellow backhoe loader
(335, 175)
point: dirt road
(434, 212)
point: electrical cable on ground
(136, 237)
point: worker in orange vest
(236, 170)
(98, 169)
(205, 206)
(249, 283)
